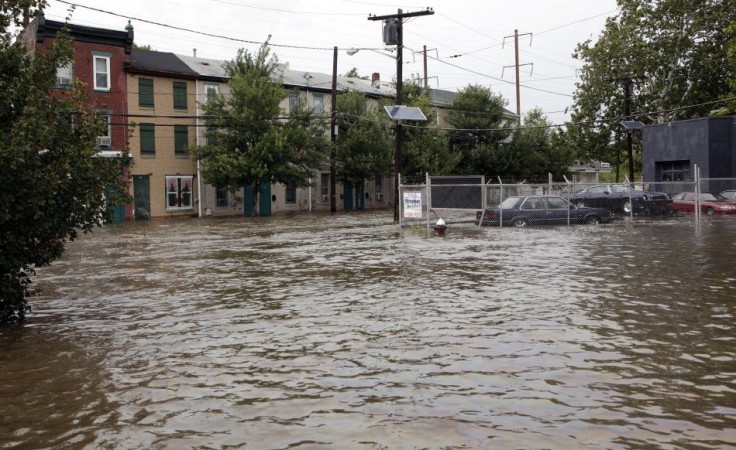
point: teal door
(142, 196)
(347, 196)
(264, 194)
(360, 198)
(248, 205)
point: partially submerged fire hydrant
(440, 227)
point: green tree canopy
(480, 128)
(426, 148)
(51, 184)
(250, 142)
(673, 51)
(364, 146)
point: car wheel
(627, 207)
(592, 220)
(580, 204)
(710, 211)
(520, 222)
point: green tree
(425, 147)
(364, 146)
(673, 50)
(51, 185)
(480, 129)
(535, 151)
(251, 143)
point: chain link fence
(470, 201)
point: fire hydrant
(440, 227)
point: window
(178, 192)
(101, 71)
(324, 187)
(293, 100)
(104, 141)
(148, 139)
(180, 95)
(181, 139)
(220, 197)
(557, 203)
(145, 92)
(672, 170)
(379, 185)
(319, 103)
(210, 135)
(64, 76)
(290, 194)
(211, 90)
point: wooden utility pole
(627, 81)
(516, 65)
(333, 123)
(399, 17)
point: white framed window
(178, 193)
(104, 141)
(101, 65)
(211, 90)
(319, 103)
(64, 76)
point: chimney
(376, 80)
(194, 50)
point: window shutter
(145, 92)
(180, 95)
(148, 139)
(181, 138)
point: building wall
(709, 143)
(164, 162)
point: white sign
(413, 205)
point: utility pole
(628, 83)
(399, 18)
(426, 81)
(516, 65)
(333, 123)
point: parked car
(728, 195)
(522, 211)
(617, 198)
(685, 202)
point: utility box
(391, 31)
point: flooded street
(345, 332)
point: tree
(673, 53)
(250, 141)
(534, 152)
(480, 128)
(52, 187)
(364, 147)
(426, 148)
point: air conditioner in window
(63, 81)
(325, 198)
(104, 141)
(379, 196)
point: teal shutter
(180, 95)
(181, 139)
(148, 139)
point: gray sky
(479, 32)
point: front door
(142, 196)
(248, 204)
(264, 194)
(347, 196)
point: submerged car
(685, 202)
(619, 198)
(522, 211)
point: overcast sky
(468, 41)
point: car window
(556, 203)
(597, 189)
(509, 202)
(689, 197)
(707, 197)
(617, 188)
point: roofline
(49, 29)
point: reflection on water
(343, 332)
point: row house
(153, 102)
(99, 56)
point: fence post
(631, 200)
(500, 198)
(427, 182)
(399, 202)
(697, 194)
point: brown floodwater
(321, 331)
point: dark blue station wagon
(522, 211)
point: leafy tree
(364, 146)
(425, 147)
(51, 185)
(673, 50)
(535, 151)
(251, 142)
(480, 128)
(353, 73)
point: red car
(685, 202)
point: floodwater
(345, 332)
